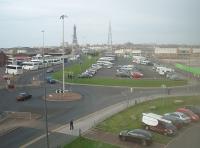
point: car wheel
(144, 142)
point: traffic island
(66, 96)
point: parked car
(122, 73)
(157, 124)
(49, 70)
(7, 77)
(136, 75)
(23, 96)
(181, 116)
(189, 113)
(175, 121)
(85, 75)
(194, 109)
(137, 135)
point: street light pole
(63, 45)
(45, 101)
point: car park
(137, 135)
(189, 113)
(180, 116)
(23, 96)
(157, 124)
(194, 109)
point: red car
(136, 75)
(189, 113)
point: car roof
(23, 93)
(140, 131)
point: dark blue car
(50, 80)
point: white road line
(33, 141)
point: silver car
(180, 116)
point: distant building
(166, 52)
(128, 51)
(3, 59)
(179, 52)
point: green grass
(129, 82)
(193, 70)
(76, 68)
(87, 143)
(131, 117)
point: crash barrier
(18, 115)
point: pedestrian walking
(71, 125)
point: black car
(175, 121)
(137, 135)
(23, 96)
(194, 109)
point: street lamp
(63, 45)
(45, 101)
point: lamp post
(63, 46)
(45, 101)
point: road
(93, 99)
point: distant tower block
(74, 42)
(110, 37)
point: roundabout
(66, 96)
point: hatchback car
(180, 116)
(175, 121)
(194, 109)
(50, 80)
(49, 70)
(137, 135)
(189, 113)
(23, 96)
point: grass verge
(193, 70)
(129, 82)
(76, 68)
(131, 117)
(82, 142)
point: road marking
(33, 141)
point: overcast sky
(137, 21)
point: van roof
(156, 116)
